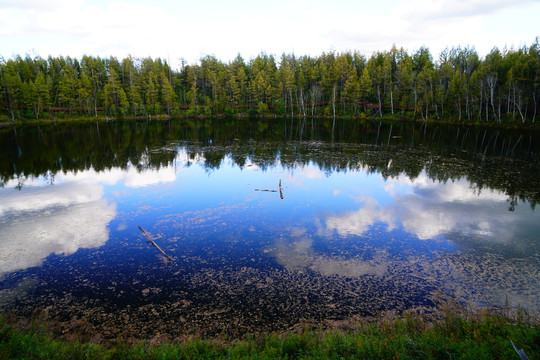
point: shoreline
(451, 330)
(4, 123)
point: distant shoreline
(4, 123)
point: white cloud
(60, 228)
(192, 30)
(440, 9)
(297, 254)
(437, 25)
(134, 178)
(131, 176)
(428, 209)
(41, 219)
(454, 191)
(309, 171)
(359, 221)
(39, 198)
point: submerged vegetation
(504, 87)
(453, 335)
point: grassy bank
(452, 336)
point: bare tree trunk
(379, 99)
(519, 104)
(334, 101)
(467, 103)
(415, 100)
(487, 110)
(302, 102)
(492, 81)
(442, 107)
(480, 103)
(508, 102)
(94, 95)
(392, 100)
(131, 90)
(459, 107)
(514, 101)
(292, 102)
(534, 99)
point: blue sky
(180, 29)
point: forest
(458, 87)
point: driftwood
(150, 240)
(280, 190)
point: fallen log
(269, 190)
(149, 237)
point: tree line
(459, 86)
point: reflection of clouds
(309, 171)
(454, 191)
(42, 219)
(347, 267)
(300, 172)
(359, 221)
(134, 178)
(54, 219)
(38, 198)
(427, 208)
(297, 254)
(131, 176)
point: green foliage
(262, 108)
(459, 86)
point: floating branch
(280, 190)
(149, 237)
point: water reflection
(297, 254)
(428, 208)
(58, 219)
(364, 225)
(44, 218)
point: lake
(265, 225)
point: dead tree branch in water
(280, 190)
(149, 237)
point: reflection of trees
(502, 160)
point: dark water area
(269, 224)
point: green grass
(410, 337)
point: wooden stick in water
(280, 190)
(149, 237)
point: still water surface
(269, 224)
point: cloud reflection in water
(297, 254)
(56, 219)
(427, 209)
(42, 219)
